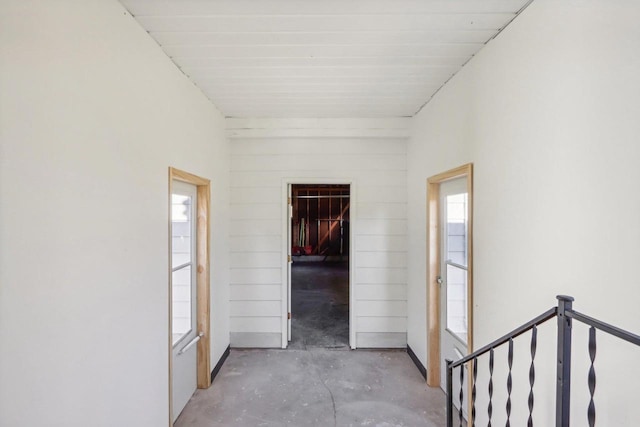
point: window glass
(457, 264)
(457, 229)
(457, 301)
(181, 228)
(181, 263)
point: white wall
(92, 115)
(548, 112)
(432, 149)
(371, 154)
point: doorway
(189, 288)
(450, 276)
(319, 247)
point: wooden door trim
(433, 263)
(203, 275)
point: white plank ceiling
(322, 58)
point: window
(182, 262)
(457, 264)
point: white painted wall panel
(381, 243)
(255, 292)
(377, 108)
(383, 227)
(287, 162)
(255, 260)
(381, 339)
(93, 114)
(323, 101)
(382, 324)
(384, 292)
(245, 244)
(248, 211)
(390, 194)
(255, 276)
(256, 325)
(257, 195)
(306, 126)
(253, 227)
(551, 124)
(249, 178)
(379, 223)
(370, 178)
(381, 308)
(301, 146)
(374, 178)
(382, 259)
(382, 210)
(377, 275)
(255, 308)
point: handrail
(549, 314)
(613, 330)
(565, 315)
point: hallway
(317, 381)
(316, 387)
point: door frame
(203, 275)
(433, 263)
(286, 250)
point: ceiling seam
(472, 56)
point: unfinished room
(319, 213)
(319, 278)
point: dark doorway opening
(320, 268)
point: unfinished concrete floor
(319, 305)
(316, 387)
(317, 381)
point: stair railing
(565, 315)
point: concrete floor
(319, 305)
(317, 381)
(316, 387)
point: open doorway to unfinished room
(319, 231)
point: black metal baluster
(449, 393)
(473, 392)
(591, 412)
(490, 407)
(509, 381)
(461, 393)
(532, 372)
(563, 366)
